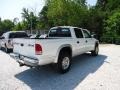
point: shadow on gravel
(45, 78)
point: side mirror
(93, 36)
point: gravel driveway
(87, 73)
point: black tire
(7, 50)
(96, 50)
(64, 58)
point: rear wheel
(64, 62)
(7, 50)
(95, 52)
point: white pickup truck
(58, 48)
(6, 40)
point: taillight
(38, 49)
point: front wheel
(64, 62)
(95, 52)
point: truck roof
(12, 32)
(64, 27)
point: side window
(12, 35)
(18, 35)
(86, 34)
(21, 35)
(78, 33)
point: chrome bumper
(24, 60)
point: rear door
(80, 41)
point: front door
(88, 40)
(79, 41)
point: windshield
(18, 35)
(60, 32)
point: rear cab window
(60, 32)
(18, 35)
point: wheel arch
(66, 47)
(96, 43)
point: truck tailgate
(24, 46)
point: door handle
(22, 45)
(78, 42)
(86, 41)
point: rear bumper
(24, 60)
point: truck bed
(50, 46)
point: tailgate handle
(22, 44)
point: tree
(43, 21)
(66, 12)
(113, 5)
(95, 21)
(29, 18)
(17, 27)
(112, 25)
(15, 21)
(101, 4)
(6, 25)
